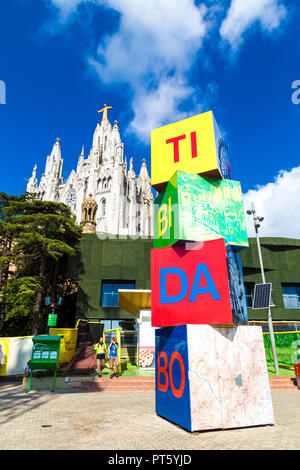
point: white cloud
(278, 203)
(152, 52)
(153, 108)
(242, 14)
(67, 7)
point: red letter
(194, 144)
(175, 141)
(177, 392)
(162, 370)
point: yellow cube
(194, 145)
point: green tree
(42, 235)
(18, 296)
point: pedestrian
(100, 349)
(113, 357)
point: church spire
(32, 186)
(54, 163)
(144, 182)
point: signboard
(52, 319)
(197, 208)
(146, 357)
(193, 145)
(190, 286)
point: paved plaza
(72, 420)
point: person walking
(113, 357)
(100, 349)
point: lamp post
(256, 221)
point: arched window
(105, 142)
(71, 199)
(103, 208)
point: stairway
(146, 384)
(121, 384)
(85, 359)
(283, 382)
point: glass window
(124, 325)
(249, 288)
(103, 207)
(109, 292)
(291, 295)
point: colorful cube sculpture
(194, 207)
(194, 145)
(212, 377)
(189, 285)
(211, 371)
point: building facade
(104, 266)
(109, 199)
(123, 200)
(281, 259)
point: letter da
(164, 299)
(209, 289)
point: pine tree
(42, 234)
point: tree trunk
(4, 271)
(2, 316)
(38, 301)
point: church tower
(124, 202)
(48, 189)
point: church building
(105, 195)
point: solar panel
(262, 295)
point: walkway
(127, 421)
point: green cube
(197, 208)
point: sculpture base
(89, 227)
(212, 377)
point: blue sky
(156, 61)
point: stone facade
(123, 200)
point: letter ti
(175, 141)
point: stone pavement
(72, 420)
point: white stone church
(102, 193)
